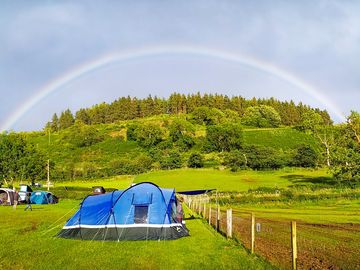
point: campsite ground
(28, 242)
(328, 219)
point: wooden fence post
(229, 223)
(293, 244)
(252, 233)
(218, 219)
(210, 215)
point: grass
(190, 179)
(29, 242)
(117, 182)
(323, 211)
(279, 138)
(328, 226)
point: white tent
(6, 196)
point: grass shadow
(305, 179)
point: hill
(111, 152)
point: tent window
(141, 214)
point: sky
(52, 53)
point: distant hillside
(165, 142)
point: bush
(172, 160)
(235, 160)
(140, 164)
(223, 137)
(147, 135)
(81, 135)
(196, 160)
(261, 157)
(306, 156)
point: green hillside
(113, 153)
(279, 138)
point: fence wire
(319, 246)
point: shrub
(196, 160)
(223, 137)
(306, 156)
(261, 157)
(235, 160)
(172, 160)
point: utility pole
(48, 175)
(48, 168)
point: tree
(231, 116)
(353, 122)
(326, 135)
(235, 160)
(82, 135)
(83, 116)
(147, 135)
(262, 157)
(261, 116)
(224, 137)
(54, 125)
(207, 116)
(196, 160)
(171, 160)
(179, 128)
(66, 119)
(346, 156)
(306, 156)
(310, 120)
(131, 131)
(20, 159)
(181, 132)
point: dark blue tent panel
(42, 197)
(142, 212)
(195, 192)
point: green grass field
(324, 211)
(28, 241)
(329, 226)
(190, 179)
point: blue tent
(42, 197)
(141, 212)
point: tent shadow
(191, 217)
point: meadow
(328, 221)
(224, 180)
(28, 241)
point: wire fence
(315, 246)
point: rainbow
(114, 57)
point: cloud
(316, 40)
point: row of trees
(20, 160)
(126, 108)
